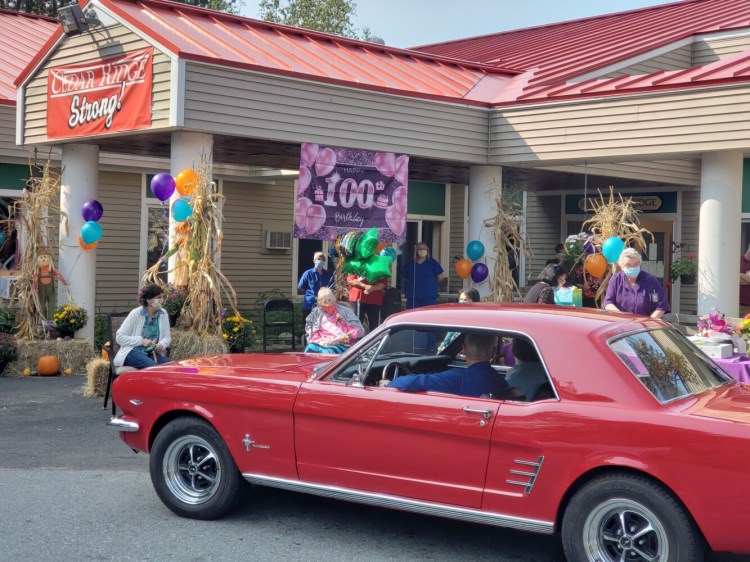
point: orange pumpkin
(48, 365)
(105, 351)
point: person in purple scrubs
(635, 291)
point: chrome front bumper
(122, 425)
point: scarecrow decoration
(45, 274)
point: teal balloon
(91, 232)
(181, 211)
(367, 244)
(2, 237)
(474, 250)
(612, 248)
(377, 267)
(388, 252)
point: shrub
(238, 332)
(174, 299)
(70, 318)
(101, 331)
(683, 266)
(7, 320)
(8, 349)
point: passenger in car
(528, 375)
(476, 379)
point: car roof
(527, 318)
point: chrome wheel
(624, 530)
(191, 470)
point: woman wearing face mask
(635, 291)
(421, 277)
(312, 280)
(145, 335)
(551, 278)
(331, 327)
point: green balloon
(377, 267)
(367, 244)
(353, 266)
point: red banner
(107, 96)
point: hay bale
(97, 375)
(189, 344)
(73, 354)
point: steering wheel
(398, 370)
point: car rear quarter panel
(699, 460)
(235, 406)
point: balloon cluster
(360, 258)
(164, 185)
(91, 231)
(595, 263)
(464, 267)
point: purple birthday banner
(341, 189)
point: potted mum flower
(8, 350)
(174, 300)
(238, 332)
(69, 319)
(685, 269)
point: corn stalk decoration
(506, 232)
(30, 215)
(197, 244)
(615, 216)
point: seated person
(331, 327)
(468, 295)
(476, 379)
(528, 375)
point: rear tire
(629, 517)
(192, 471)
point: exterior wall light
(72, 19)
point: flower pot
(173, 318)
(66, 334)
(687, 279)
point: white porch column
(188, 151)
(79, 183)
(483, 184)
(719, 233)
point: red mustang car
(633, 446)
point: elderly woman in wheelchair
(331, 327)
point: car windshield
(667, 364)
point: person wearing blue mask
(312, 280)
(635, 291)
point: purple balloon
(162, 186)
(589, 247)
(479, 272)
(92, 210)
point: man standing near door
(312, 280)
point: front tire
(629, 517)
(192, 471)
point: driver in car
(476, 379)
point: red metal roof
(21, 38)
(554, 53)
(234, 41)
(735, 68)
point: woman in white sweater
(145, 335)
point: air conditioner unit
(276, 240)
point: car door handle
(486, 414)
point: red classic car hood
(297, 366)
(731, 403)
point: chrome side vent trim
(530, 474)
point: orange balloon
(596, 265)
(463, 268)
(185, 181)
(85, 246)
(380, 246)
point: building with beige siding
(659, 113)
